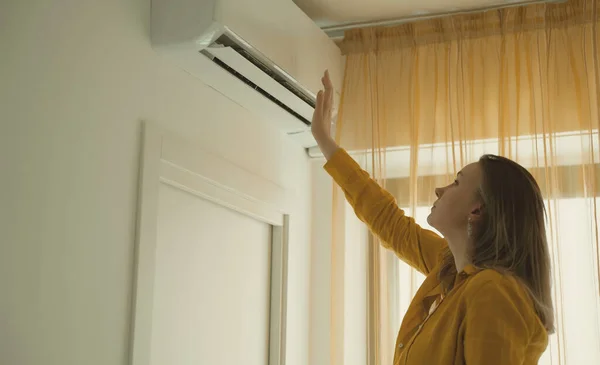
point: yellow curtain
(421, 100)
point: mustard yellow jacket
(486, 319)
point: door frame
(171, 160)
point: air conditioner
(265, 55)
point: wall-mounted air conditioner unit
(266, 55)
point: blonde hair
(511, 237)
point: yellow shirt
(486, 319)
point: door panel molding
(171, 160)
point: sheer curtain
(423, 99)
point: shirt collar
(470, 269)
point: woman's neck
(461, 262)
(460, 252)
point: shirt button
(401, 345)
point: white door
(211, 284)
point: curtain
(421, 100)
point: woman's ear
(476, 213)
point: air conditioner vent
(261, 62)
(262, 91)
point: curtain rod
(337, 31)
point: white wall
(320, 282)
(76, 79)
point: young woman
(486, 299)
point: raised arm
(373, 205)
(376, 207)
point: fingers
(328, 97)
(327, 84)
(324, 104)
(318, 113)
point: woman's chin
(430, 219)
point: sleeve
(376, 207)
(496, 325)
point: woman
(486, 299)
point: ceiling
(327, 13)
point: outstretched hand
(322, 118)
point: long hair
(511, 236)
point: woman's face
(456, 203)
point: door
(211, 284)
